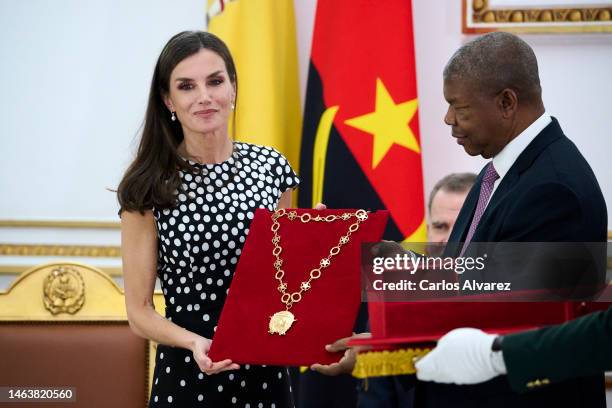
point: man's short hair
(453, 183)
(496, 61)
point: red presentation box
(421, 323)
(327, 310)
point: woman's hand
(200, 348)
(320, 206)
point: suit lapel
(547, 136)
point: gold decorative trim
(88, 272)
(59, 224)
(90, 251)
(577, 19)
(18, 269)
(387, 363)
(33, 271)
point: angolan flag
(360, 141)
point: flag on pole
(360, 141)
(261, 37)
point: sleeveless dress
(199, 243)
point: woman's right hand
(200, 348)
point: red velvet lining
(327, 311)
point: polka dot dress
(200, 241)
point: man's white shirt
(504, 160)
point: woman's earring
(173, 116)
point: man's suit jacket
(553, 354)
(550, 194)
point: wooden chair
(65, 325)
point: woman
(186, 204)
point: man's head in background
(445, 201)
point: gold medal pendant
(281, 322)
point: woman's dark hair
(152, 179)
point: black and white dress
(200, 241)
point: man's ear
(507, 101)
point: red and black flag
(360, 142)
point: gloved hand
(462, 356)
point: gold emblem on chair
(64, 291)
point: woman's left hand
(200, 349)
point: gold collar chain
(282, 321)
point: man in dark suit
(530, 359)
(537, 188)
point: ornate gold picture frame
(542, 16)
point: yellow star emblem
(388, 124)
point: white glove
(462, 356)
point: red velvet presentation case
(326, 312)
(395, 324)
(421, 323)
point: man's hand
(462, 356)
(388, 249)
(347, 362)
